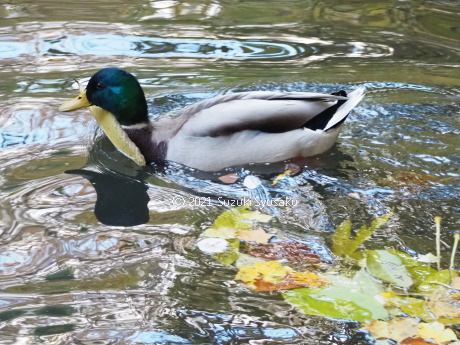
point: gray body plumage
(248, 127)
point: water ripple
(109, 45)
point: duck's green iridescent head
(118, 92)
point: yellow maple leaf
(437, 332)
(259, 235)
(442, 303)
(397, 329)
(308, 278)
(270, 271)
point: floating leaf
(231, 254)
(361, 282)
(409, 178)
(221, 232)
(419, 271)
(281, 176)
(259, 236)
(247, 260)
(427, 258)
(443, 303)
(341, 238)
(416, 341)
(386, 266)
(437, 332)
(251, 182)
(336, 302)
(308, 278)
(229, 179)
(343, 245)
(290, 251)
(412, 306)
(286, 284)
(233, 219)
(212, 245)
(434, 280)
(397, 329)
(270, 271)
(455, 283)
(256, 216)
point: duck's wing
(270, 112)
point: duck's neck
(143, 136)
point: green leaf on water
(361, 282)
(342, 243)
(413, 307)
(230, 255)
(435, 280)
(419, 271)
(221, 232)
(234, 219)
(388, 267)
(341, 238)
(336, 302)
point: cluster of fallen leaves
(396, 296)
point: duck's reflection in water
(121, 200)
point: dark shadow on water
(121, 201)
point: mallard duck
(228, 130)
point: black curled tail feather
(321, 120)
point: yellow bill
(75, 103)
(109, 124)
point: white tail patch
(354, 98)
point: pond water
(68, 278)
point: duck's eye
(100, 86)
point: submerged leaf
(384, 265)
(343, 245)
(336, 302)
(290, 251)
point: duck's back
(255, 127)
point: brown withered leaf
(229, 179)
(290, 251)
(287, 283)
(408, 178)
(291, 281)
(417, 341)
(258, 235)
